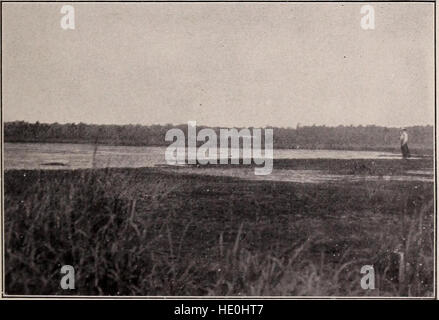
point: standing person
(404, 138)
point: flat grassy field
(153, 232)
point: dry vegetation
(148, 232)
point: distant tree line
(306, 137)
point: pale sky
(220, 64)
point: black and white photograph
(224, 149)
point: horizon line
(219, 126)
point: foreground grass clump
(147, 232)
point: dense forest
(306, 137)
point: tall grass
(141, 232)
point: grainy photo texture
(218, 149)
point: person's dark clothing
(405, 151)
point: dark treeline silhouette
(306, 137)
